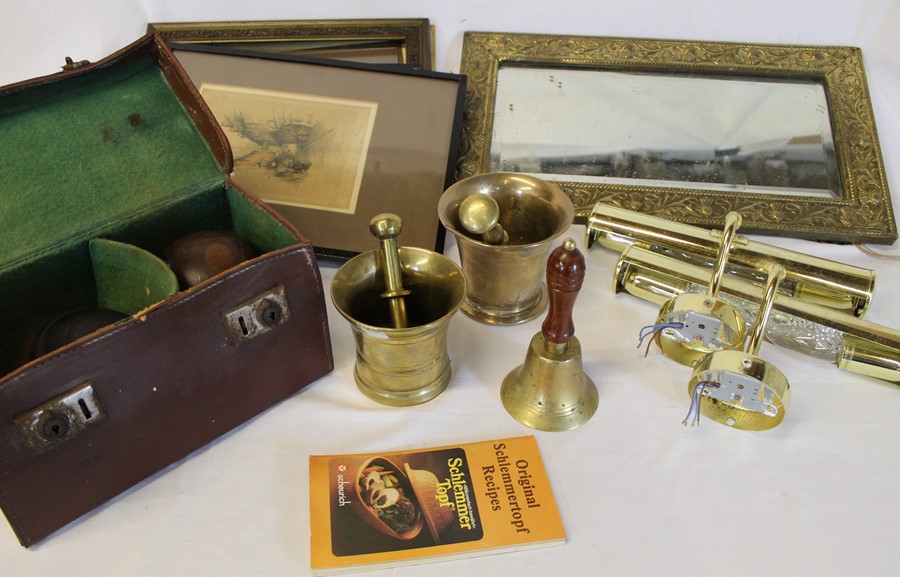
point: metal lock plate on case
(60, 418)
(256, 316)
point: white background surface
(639, 493)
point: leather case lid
(100, 144)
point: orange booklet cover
(378, 510)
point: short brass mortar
(400, 366)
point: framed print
(684, 130)
(373, 41)
(312, 155)
(330, 144)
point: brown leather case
(133, 398)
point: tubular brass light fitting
(810, 279)
(853, 344)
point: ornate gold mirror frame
(857, 207)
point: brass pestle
(480, 214)
(550, 390)
(386, 227)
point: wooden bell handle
(565, 275)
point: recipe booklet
(372, 511)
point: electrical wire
(871, 252)
(693, 414)
(653, 331)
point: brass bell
(737, 388)
(550, 391)
(689, 326)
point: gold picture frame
(330, 144)
(860, 211)
(373, 41)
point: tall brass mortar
(505, 282)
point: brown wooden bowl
(424, 484)
(200, 255)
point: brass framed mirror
(685, 130)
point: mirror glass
(721, 133)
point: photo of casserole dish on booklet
(386, 500)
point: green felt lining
(129, 279)
(79, 155)
(109, 155)
(69, 277)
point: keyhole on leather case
(256, 316)
(55, 427)
(268, 313)
(60, 418)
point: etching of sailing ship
(285, 147)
